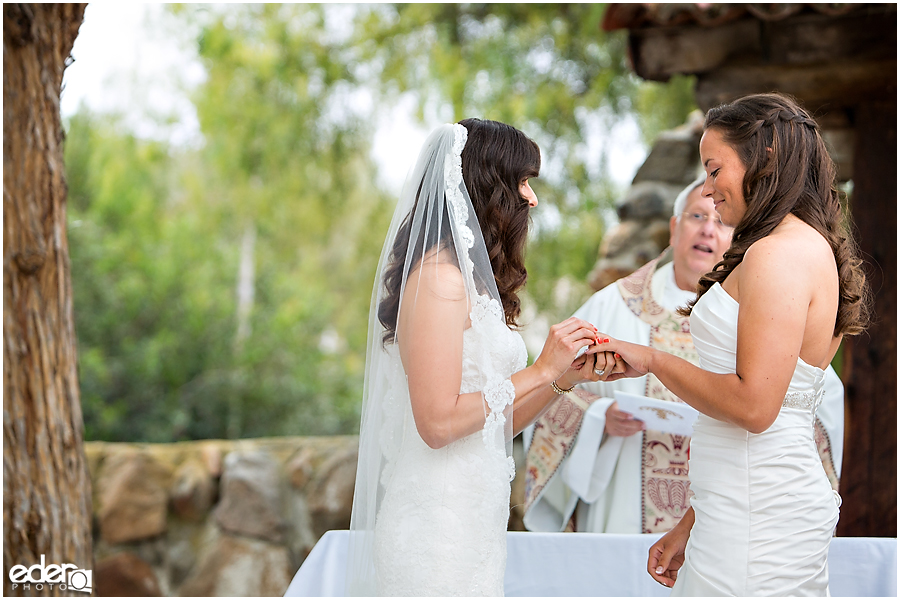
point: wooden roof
(635, 15)
(831, 56)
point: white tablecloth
(598, 564)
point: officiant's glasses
(699, 219)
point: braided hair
(788, 171)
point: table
(605, 564)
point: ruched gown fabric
(441, 529)
(765, 511)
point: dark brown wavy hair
(496, 159)
(797, 177)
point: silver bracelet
(560, 390)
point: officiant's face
(698, 239)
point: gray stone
(300, 467)
(608, 270)
(125, 574)
(133, 498)
(648, 200)
(675, 156)
(300, 531)
(193, 490)
(330, 494)
(211, 455)
(250, 496)
(620, 239)
(237, 566)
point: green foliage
(155, 237)
(157, 233)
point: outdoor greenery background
(284, 178)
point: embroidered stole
(664, 470)
(554, 434)
(823, 445)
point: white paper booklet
(671, 417)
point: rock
(300, 467)
(125, 574)
(674, 157)
(610, 269)
(620, 239)
(250, 496)
(300, 537)
(648, 200)
(211, 455)
(604, 275)
(330, 494)
(236, 566)
(132, 496)
(180, 560)
(658, 233)
(193, 491)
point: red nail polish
(606, 341)
(617, 355)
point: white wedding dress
(765, 511)
(441, 528)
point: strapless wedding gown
(765, 511)
(441, 529)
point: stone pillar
(644, 211)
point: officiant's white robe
(605, 471)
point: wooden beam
(821, 88)
(866, 35)
(660, 52)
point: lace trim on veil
(498, 393)
(453, 179)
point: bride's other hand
(563, 343)
(667, 555)
(606, 364)
(632, 360)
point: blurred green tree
(224, 292)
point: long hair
(795, 177)
(495, 160)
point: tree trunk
(46, 485)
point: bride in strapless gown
(767, 318)
(765, 510)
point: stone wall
(215, 517)
(644, 212)
(221, 518)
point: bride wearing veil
(447, 384)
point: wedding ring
(599, 371)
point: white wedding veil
(434, 225)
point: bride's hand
(632, 360)
(667, 555)
(563, 343)
(591, 367)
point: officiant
(592, 467)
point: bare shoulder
(439, 276)
(795, 248)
